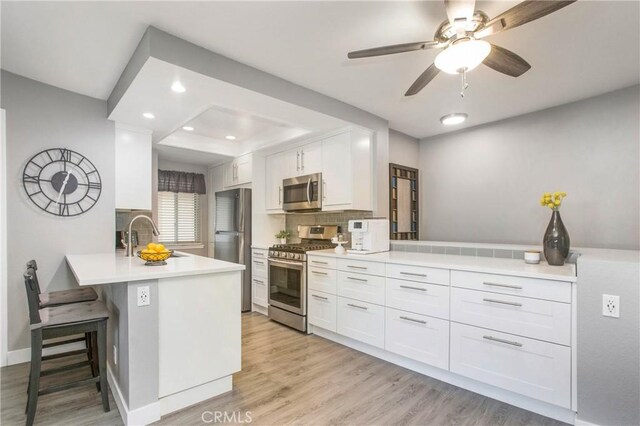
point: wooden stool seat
(65, 297)
(72, 313)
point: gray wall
(403, 149)
(164, 164)
(483, 184)
(39, 117)
(609, 348)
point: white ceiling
(585, 49)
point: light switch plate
(611, 306)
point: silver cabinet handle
(357, 306)
(324, 189)
(413, 288)
(319, 297)
(279, 195)
(357, 279)
(319, 273)
(298, 160)
(258, 281)
(508, 342)
(413, 320)
(357, 267)
(516, 287)
(319, 262)
(414, 275)
(259, 262)
(257, 253)
(302, 159)
(502, 302)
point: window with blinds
(178, 218)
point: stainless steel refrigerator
(233, 234)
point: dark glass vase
(556, 241)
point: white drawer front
(418, 337)
(418, 273)
(259, 253)
(368, 288)
(538, 319)
(361, 321)
(322, 279)
(529, 367)
(426, 299)
(260, 291)
(361, 266)
(321, 261)
(560, 291)
(322, 310)
(259, 267)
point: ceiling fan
(461, 38)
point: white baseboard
(261, 310)
(138, 417)
(526, 403)
(583, 423)
(180, 400)
(24, 355)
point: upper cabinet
(344, 161)
(238, 171)
(134, 169)
(347, 176)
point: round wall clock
(62, 182)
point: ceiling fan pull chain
(463, 76)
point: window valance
(175, 181)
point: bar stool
(60, 321)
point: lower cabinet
(322, 310)
(419, 337)
(259, 278)
(361, 321)
(260, 291)
(537, 369)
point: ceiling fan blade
(527, 11)
(395, 48)
(459, 9)
(487, 30)
(423, 80)
(506, 62)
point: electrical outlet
(115, 355)
(611, 306)
(144, 298)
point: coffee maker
(369, 236)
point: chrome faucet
(129, 248)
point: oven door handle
(308, 191)
(285, 263)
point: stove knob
(297, 256)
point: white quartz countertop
(490, 265)
(108, 268)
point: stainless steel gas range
(288, 274)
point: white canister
(532, 256)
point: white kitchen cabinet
(276, 169)
(322, 310)
(361, 321)
(238, 171)
(259, 278)
(418, 337)
(368, 288)
(426, 299)
(260, 291)
(530, 367)
(347, 174)
(134, 168)
(310, 158)
(322, 279)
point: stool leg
(34, 377)
(94, 356)
(102, 362)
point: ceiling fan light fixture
(462, 55)
(453, 119)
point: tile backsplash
(145, 231)
(323, 218)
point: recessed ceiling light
(187, 128)
(148, 115)
(230, 137)
(178, 87)
(452, 119)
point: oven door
(288, 286)
(302, 193)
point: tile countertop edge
(513, 267)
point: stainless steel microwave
(302, 193)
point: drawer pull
(256, 253)
(413, 320)
(319, 297)
(413, 288)
(318, 262)
(357, 267)
(508, 342)
(414, 275)
(259, 262)
(258, 281)
(515, 287)
(319, 273)
(357, 306)
(502, 302)
(357, 279)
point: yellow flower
(550, 205)
(557, 202)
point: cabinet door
(133, 186)
(274, 174)
(336, 172)
(230, 173)
(322, 310)
(361, 321)
(260, 293)
(243, 169)
(311, 158)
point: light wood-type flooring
(290, 378)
